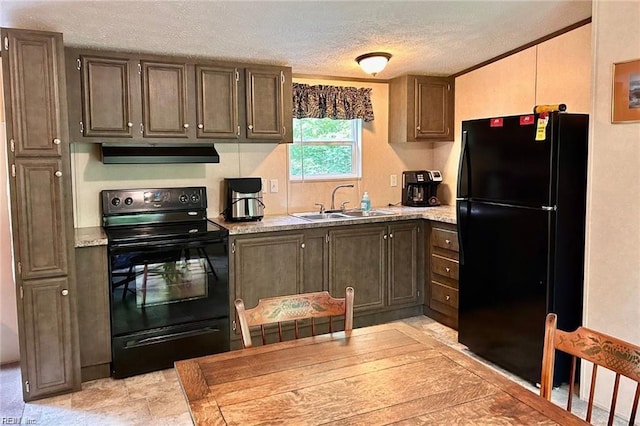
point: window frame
(356, 154)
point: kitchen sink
(346, 215)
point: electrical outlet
(273, 185)
(394, 180)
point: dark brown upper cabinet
(217, 102)
(264, 90)
(421, 109)
(106, 96)
(126, 97)
(164, 100)
(32, 88)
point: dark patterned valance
(336, 102)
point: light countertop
(95, 236)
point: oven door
(159, 285)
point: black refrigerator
(521, 220)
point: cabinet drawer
(443, 295)
(444, 266)
(444, 238)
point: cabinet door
(315, 261)
(106, 97)
(404, 260)
(264, 92)
(433, 113)
(33, 85)
(217, 107)
(93, 306)
(267, 266)
(357, 258)
(41, 224)
(164, 100)
(48, 337)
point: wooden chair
(602, 350)
(294, 308)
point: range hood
(140, 153)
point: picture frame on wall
(625, 105)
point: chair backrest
(294, 308)
(602, 350)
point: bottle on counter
(365, 204)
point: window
(324, 148)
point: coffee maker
(243, 199)
(419, 188)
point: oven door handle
(169, 337)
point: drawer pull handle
(447, 269)
(448, 297)
(447, 241)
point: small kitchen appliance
(419, 188)
(243, 199)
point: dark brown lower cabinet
(94, 326)
(441, 288)
(48, 335)
(382, 262)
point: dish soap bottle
(365, 204)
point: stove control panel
(124, 201)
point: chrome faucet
(333, 194)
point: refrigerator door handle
(464, 165)
(461, 224)
(550, 208)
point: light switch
(273, 185)
(394, 180)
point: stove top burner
(157, 215)
(175, 232)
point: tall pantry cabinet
(41, 210)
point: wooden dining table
(389, 373)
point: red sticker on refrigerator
(526, 120)
(495, 122)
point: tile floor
(156, 399)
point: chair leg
(127, 281)
(144, 284)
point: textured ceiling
(313, 37)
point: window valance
(335, 102)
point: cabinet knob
(185, 125)
(391, 235)
(56, 141)
(129, 124)
(448, 297)
(58, 173)
(65, 292)
(447, 241)
(418, 128)
(447, 269)
(384, 236)
(302, 245)
(200, 126)
(250, 126)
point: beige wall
(269, 161)
(556, 71)
(612, 296)
(9, 348)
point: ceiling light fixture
(373, 63)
